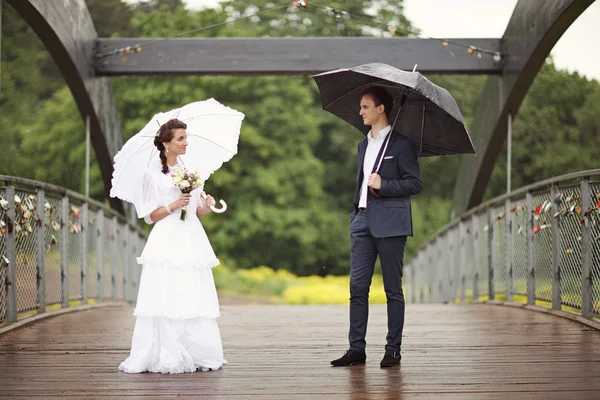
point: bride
(177, 305)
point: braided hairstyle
(165, 135)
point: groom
(380, 224)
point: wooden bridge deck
(283, 352)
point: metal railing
(60, 249)
(537, 245)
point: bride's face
(178, 144)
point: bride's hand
(183, 200)
(209, 201)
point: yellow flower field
(285, 287)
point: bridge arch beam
(532, 32)
(66, 29)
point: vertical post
(586, 253)
(462, 239)
(509, 251)
(450, 243)
(476, 256)
(139, 246)
(1, 44)
(530, 251)
(413, 283)
(83, 239)
(440, 269)
(132, 262)
(133, 265)
(11, 254)
(100, 253)
(87, 156)
(126, 250)
(114, 253)
(64, 249)
(556, 279)
(421, 287)
(430, 268)
(490, 266)
(509, 154)
(129, 261)
(40, 232)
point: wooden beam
(290, 56)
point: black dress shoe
(391, 359)
(351, 357)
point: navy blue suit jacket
(390, 215)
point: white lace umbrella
(213, 133)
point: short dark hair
(380, 96)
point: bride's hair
(164, 135)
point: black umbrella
(423, 111)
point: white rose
(184, 184)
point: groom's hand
(374, 181)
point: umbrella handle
(373, 192)
(213, 208)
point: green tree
(111, 17)
(290, 188)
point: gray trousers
(364, 251)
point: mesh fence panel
(91, 236)
(469, 260)
(455, 267)
(109, 237)
(40, 232)
(121, 249)
(420, 285)
(3, 257)
(499, 249)
(26, 250)
(74, 251)
(594, 223)
(446, 263)
(481, 229)
(542, 244)
(518, 213)
(52, 253)
(570, 246)
(428, 274)
(458, 260)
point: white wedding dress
(177, 305)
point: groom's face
(369, 112)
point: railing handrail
(84, 249)
(502, 198)
(537, 244)
(15, 180)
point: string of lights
(303, 4)
(124, 51)
(339, 14)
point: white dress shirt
(373, 148)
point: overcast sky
(577, 50)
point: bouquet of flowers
(186, 181)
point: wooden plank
(289, 56)
(277, 352)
